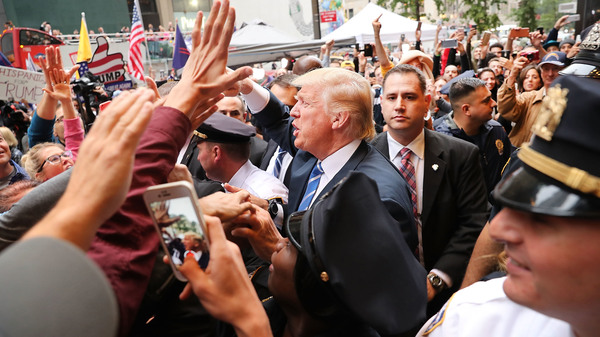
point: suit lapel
(433, 173)
(381, 143)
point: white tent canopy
(392, 26)
(258, 32)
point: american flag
(135, 65)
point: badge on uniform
(500, 147)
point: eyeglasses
(55, 159)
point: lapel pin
(435, 167)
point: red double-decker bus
(17, 44)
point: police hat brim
(530, 191)
(580, 69)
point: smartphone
(402, 37)
(485, 40)
(523, 32)
(451, 43)
(505, 53)
(473, 26)
(573, 18)
(178, 219)
(541, 30)
(368, 50)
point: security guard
(550, 228)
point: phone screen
(180, 230)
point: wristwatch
(273, 208)
(436, 282)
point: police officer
(550, 229)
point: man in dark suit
(450, 200)
(328, 131)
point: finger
(228, 31)
(379, 17)
(224, 26)
(216, 235)
(50, 56)
(58, 58)
(152, 86)
(197, 31)
(159, 102)
(243, 232)
(73, 70)
(203, 116)
(135, 129)
(108, 118)
(208, 26)
(228, 80)
(186, 292)
(43, 63)
(231, 189)
(126, 122)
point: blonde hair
(344, 90)
(9, 136)
(31, 161)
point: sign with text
(328, 16)
(21, 84)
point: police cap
(587, 61)
(220, 128)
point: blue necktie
(278, 161)
(311, 187)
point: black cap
(560, 175)
(355, 247)
(220, 128)
(587, 61)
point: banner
(21, 84)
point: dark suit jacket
(455, 206)
(393, 189)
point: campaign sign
(21, 84)
(108, 67)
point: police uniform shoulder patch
(438, 318)
(500, 146)
(551, 112)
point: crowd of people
(445, 194)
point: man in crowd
(471, 120)
(224, 151)
(327, 136)
(448, 190)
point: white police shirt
(483, 309)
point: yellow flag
(84, 53)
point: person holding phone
(523, 109)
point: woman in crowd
(47, 160)
(530, 78)
(11, 140)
